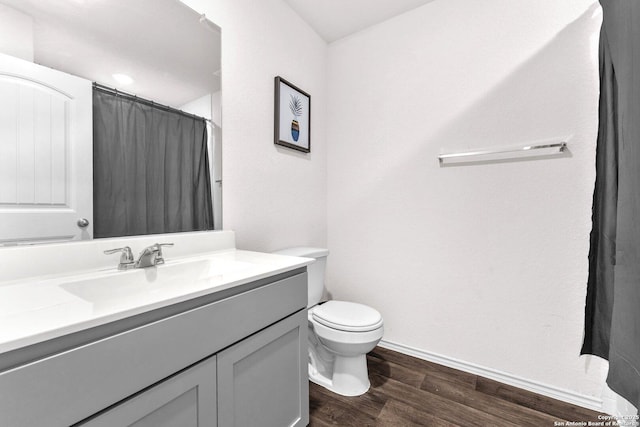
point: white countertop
(41, 308)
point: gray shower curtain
(612, 313)
(150, 168)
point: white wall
(272, 197)
(200, 107)
(16, 33)
(216, 108)
(486, 263)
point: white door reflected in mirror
(45, 154)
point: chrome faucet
(126, 257)
(151, 255)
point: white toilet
(340, 333)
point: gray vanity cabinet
(235, 358)
(187, 399)
(259, 382)
(261, 379)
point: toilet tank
(315, 271)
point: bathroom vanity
(216, 337)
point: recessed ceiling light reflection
(123, 79)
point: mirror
(159, 50)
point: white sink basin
(151, 283)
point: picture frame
(292, 114)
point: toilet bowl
(343, 369)
(340, 333)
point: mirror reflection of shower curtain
(151, 168)
(612, 315)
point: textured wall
(485, 263)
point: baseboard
(512, 380)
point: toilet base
(350, 377)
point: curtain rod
(149, 102)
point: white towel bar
(504, 153)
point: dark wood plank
(370, 403)
(333, 412)
(528, 399)
(506, 410)
(396, 414)
(385, 368)
(428, 368)
(318, 422)
(435, 405)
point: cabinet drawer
(67, 387)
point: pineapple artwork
(292, 116)
(295, 105)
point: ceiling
(162, 44)
(172, 56)
(335, 19)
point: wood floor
(406, 391)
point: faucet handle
(126, 256)
(159, 257)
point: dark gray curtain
(612, 314)
(150, 168)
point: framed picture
(292, 116)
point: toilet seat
(347, 316)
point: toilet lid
(347, 316)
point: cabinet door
(187, 399)
(262, 380)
